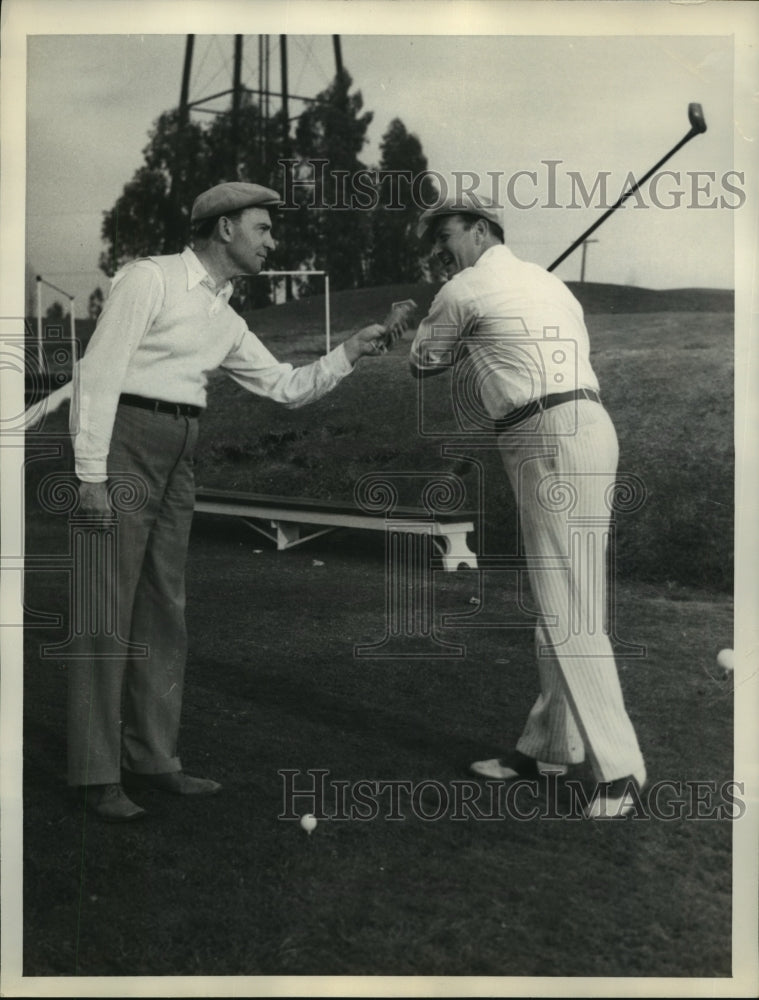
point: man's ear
(224, 229)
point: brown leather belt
(544, 403)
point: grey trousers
(125, 685)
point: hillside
(352, 307)
(349, 307)
(616, 299)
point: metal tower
(266, 95)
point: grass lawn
(228, 887)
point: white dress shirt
(523, 330)
(164, 328)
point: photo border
(24, 18)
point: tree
(333, 129)
(324, 231)
(152, 214)
(55, 313)
(397, 254)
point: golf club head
(696, 118)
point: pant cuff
(84, 781)
(551, 756)
(165, 765)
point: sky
(613, 102)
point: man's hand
(398, 319)
(93, 500)
(381, 337)
(369, 342)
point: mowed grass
(226, 887)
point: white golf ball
(308, 822)
(725, 659)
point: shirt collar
(197, 274)
(498, 250)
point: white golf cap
(231, 197)
(467, 204)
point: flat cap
(231, 197)
(469, 204)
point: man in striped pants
(517, 340)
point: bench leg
(455, 551)
(288, 534)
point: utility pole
(285, 101)
(173, 213)
(338, 55)
(582, 266)
(285, 131)
(186, 72)
(236, 104)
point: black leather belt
(161, 405)
(544, 403)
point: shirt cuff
(90, 472)
(338, 362)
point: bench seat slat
(285, 514)
(291, 504)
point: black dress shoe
(176, 782)
(515, 765)
(108, 802)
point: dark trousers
(125, 687)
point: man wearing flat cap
(166, 325)
(516, 339)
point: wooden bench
(292, 521)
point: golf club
(697, 126)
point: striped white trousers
(562, 469)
